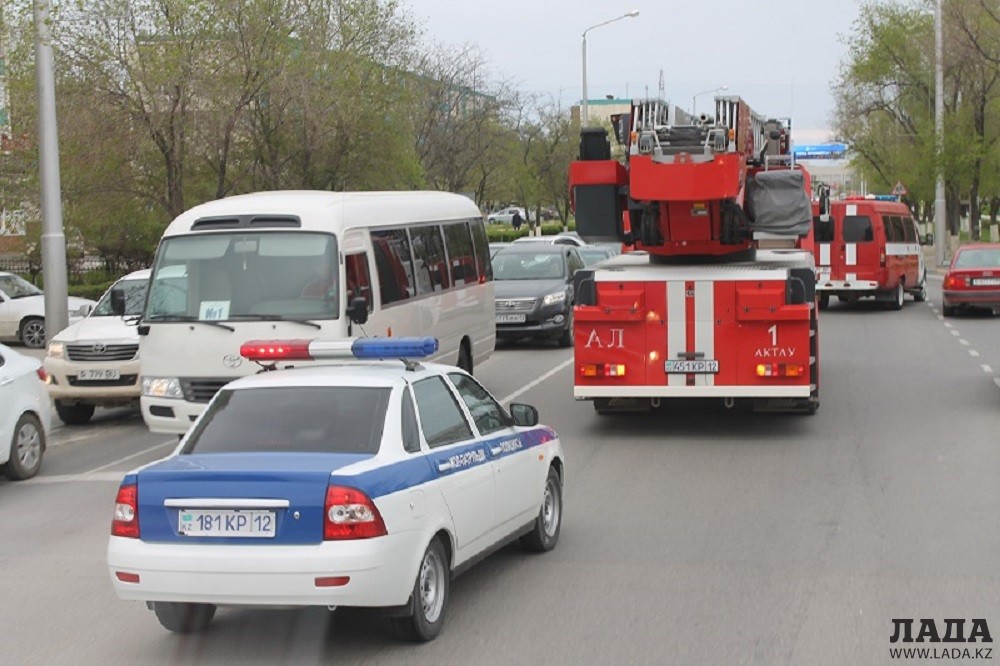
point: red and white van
(869, 246)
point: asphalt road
(693, 535)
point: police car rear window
(315, 419)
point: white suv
(95, 362)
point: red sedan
(973, 279)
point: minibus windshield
(245, 276)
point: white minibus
(303, 265)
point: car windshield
(528, 266)
(323, 419)
(16, 286)
(135, 298)
(245, 276)
(980, 258)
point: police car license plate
(700, 366)
(511, 318)
(226, 523)
(98, 375)
(986, 282)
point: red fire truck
(718, 298)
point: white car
(358, 484)
(22, 311)
(558, 239)
(95, 362)
(506, 215)
(25, 414)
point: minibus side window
(358, 278)
(392, 261)
(482, 250)
(857, 229)
(461, 256)
(428, 259)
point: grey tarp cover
(778, 204)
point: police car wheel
(182, 618)
(544, 535)
(430, 597)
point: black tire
(566, 339)
(465, 358)
(27, 447)
(824, 301)
(949, 310)
(920, 293)
(32, 332)
(429, 606)
(182, 618)
(544, 536)
(74, 414)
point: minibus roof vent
(247, 222)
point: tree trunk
(974, 204)
(953, 208)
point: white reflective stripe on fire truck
(824, 254)
(704, 327)
(851, 254)
(676, 327)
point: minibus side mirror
(524, 415)
(118, 301)
(358, 310)
(928, 240)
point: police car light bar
(315, 350)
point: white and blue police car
(360, 483)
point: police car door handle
(496, 450)
(444, 466)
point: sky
(780, 56)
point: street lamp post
(584, 111)
(53, 240)
(939, 196)
(694, 100)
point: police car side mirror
(358, 310)
(928, 239)
(523, 415)
(118, 301)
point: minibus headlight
(162, 387)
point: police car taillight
(126, 519)
(350, 514)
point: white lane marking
(948, 324)
(954, 332)
(973, 352)
(996, 380)
(71, 440)
(987, 369)
(940, 318)
(169, 442)
(963, 342)
(530, 385)
(68, 478)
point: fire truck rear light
(272, 350)
(332, 581)
(126, 577)
(602, 370)
(780, 370)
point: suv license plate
(98, 375)
(511, 318)
(701, 366)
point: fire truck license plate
(701, 366)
